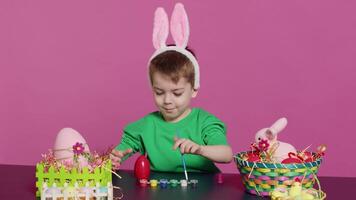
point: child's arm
(215, 153)
(130, 144)
(117, 156)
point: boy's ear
(195, 93)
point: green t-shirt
(154, 136)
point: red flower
(78, 148)
(263, 145)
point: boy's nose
(167, 99)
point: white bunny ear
(160, 28)
(279, 125)
(180, 26)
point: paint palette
(164, 183)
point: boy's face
(172, 99)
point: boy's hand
(186, 146)
(116, 157)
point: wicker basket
(262, 178)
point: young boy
(176, 128)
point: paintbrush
(183, 160)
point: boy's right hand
(116, 157)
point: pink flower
(263, 145)
(68, 164)
(78, 148)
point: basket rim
(240, 162)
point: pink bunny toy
(282, 149)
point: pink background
(82, 64)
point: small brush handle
(183, 160)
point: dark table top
(18, 182)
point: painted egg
(67, 142)
(142, 168)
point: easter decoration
(179, 29)
(71, 171)
(272, 164)
(142, 170)
(266, 139)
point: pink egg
(63, 146)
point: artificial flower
(263, 145)
(78, 148)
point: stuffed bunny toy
(280, 150)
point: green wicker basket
(262, 178)
(100, 175)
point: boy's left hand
(186, 146)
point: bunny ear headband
(180, 33)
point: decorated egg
(68, 143)
(142, 168)
(293, 158)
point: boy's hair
(173, 64)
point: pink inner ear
(180, 26)
(270, 135)
(160, 29)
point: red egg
(142, 168)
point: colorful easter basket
(262, 178)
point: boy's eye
(159, 93)
(177, 94)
